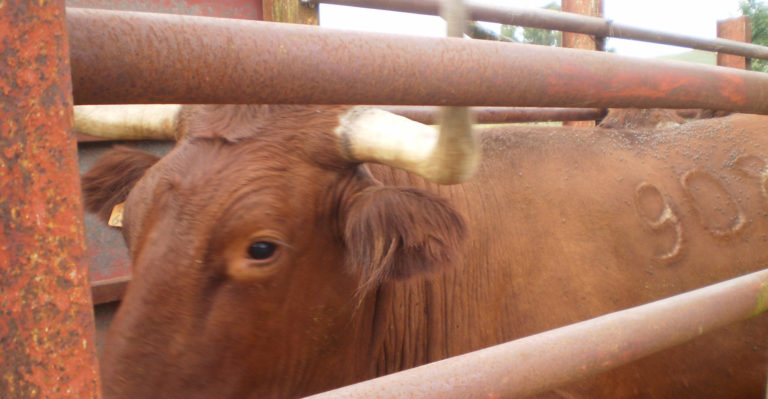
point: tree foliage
(535, 35)
(757, 12)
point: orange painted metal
(734, 29)
(46, 317)
(121, 57)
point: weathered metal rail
(429, 115)
(47, 341)
(555, 357)
(567, 22)
(423, 114)
(123, 57)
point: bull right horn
(446, 157)
(450, 157)
(128, 122)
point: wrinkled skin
(632, 118)
(376, 270)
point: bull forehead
(277, 123)
(201, 170)
(204, 182)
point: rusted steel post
(46, 317)
(428, 115)
(546, 19)
(734, 29)
(291, 11)
(592, 8)
(544, 361)
(122, 57)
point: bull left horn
(448, 157)
(128, 122)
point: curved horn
(450, 157)
(128, 122)
(374, 135)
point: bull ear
(112, 177)
(394, 233)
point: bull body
(376, 270)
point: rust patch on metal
(46, 316)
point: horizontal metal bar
(489, 115)
(484, 115)
(124, 57)
(111, 290)
(567, 22)
(84, 138)
(576, 351)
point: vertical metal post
(734, 29)
(291, 11)
(592, 8)
(46, 316)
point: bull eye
(261, 250)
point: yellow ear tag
(116, 219)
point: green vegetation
(534, 35)
(697, 56)
(757, 11)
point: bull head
(366, 135)
(256, 215)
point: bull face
(257, 250)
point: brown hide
(633, 118)
(561, 225)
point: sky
(696, 18)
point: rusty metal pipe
(124, 57)
(488, 115)
(543, 361)
(46, 315)
(482, 115)
(421, 114)
(566, 22)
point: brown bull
(268, 265)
